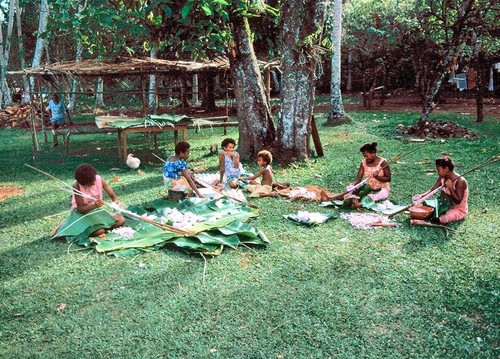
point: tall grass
(327, 291)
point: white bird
(133, 162)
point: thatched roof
(127, 67)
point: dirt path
(459, 105)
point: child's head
(369, 147)
(444, 164)
(264, 158)
(182, 149)
(55, 97)
(369, 151)
(85, 174)
(227, 142)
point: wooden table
(123, 132)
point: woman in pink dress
(454, 187)
(376, 170)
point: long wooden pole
(397, 157)
(124, 211)
(481, 165)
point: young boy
(264, 188)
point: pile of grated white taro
(178, 219)
(364, 220)
(126, 233)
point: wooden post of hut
(267, 72)
(184, 91)
(42, 116)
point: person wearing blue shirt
(56, 115)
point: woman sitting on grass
(455, 189)
(377, 173)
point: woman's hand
(98, 203)
(448, 184)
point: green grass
(327, 291)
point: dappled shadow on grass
(16, 210)
(422, 237)
(28, 257)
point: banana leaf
(195, 245)
(222, 225)
(169, 117)
(141, 242)
(239, 228)
(311, 219)
(78, 227)
(214, 237)
(260, 240)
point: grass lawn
(327, 291)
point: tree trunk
(4, 59)
(74, 81)
(458, 34)
(478, 65)
(337, 114)
(99, 98)
(208, 101)
(349, 72)
(256, 127)
(22, 57)
(195, 90)
(302, 26)
(40, 41)
(152, 98)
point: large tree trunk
(256, 127)
(40, 41)
(4, 59)
(337, 114)
(74, 81)
(301, 28)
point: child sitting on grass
(265, 187)
(176, 174)
(229, 163)
(86, 204)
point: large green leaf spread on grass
(223, 225)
